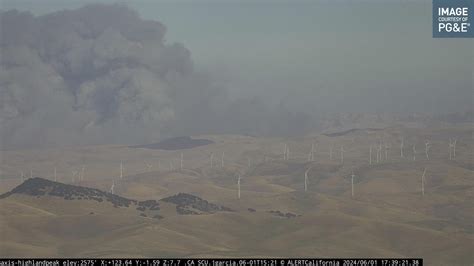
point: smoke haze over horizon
(108, 74)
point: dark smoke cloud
(101, 74)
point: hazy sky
(348, 56)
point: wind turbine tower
(427, 148)
(414, 152)
(181, 162)
(82, 173)
(222, 160)
(352, 183)
(452, 149)
(121, 169)
(112, 187)
(423, 183)
(370, 154)
(387, 148)
(306, 179)
(401, 148)
(238, 187)
(342, 154)
(74, 173)
(380, 158)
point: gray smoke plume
(101, 74)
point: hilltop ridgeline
(185, 203)
(38, 186)
(178, 143)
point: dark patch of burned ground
(178, 143)
(352, 130)
(287, 215)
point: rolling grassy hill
(387, 217)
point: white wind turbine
(370, 154)
(414, 152)
(387, 148)
(401, 148)
(121, 169)
(222, 160)
(342, 154)
(74, 173)
(181, 162)
(352, 183)
(423, 183)
(238, 187)
(22, 177)
(306, 179)
(148, 166)
(427, 148)
(82, 173)
(379, 152)
(285, 151)
(31, 173)
(452, 148)
(112, 187)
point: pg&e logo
(452, 18)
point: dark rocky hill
(190, 204)
(185, 203)
(43, 187)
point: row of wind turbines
(381, 150)
(353, 176)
